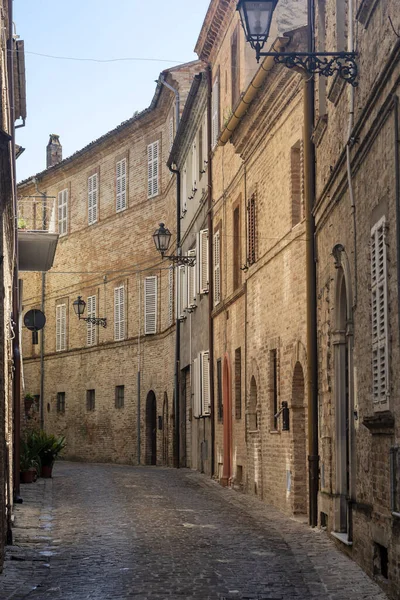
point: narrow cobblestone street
(119, 532)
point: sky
(82, 100)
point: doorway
(165, 426)
(299, 443)
(151, 429)
(227, 412)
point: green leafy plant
(22, 224)
(46, 446)
(28, 460)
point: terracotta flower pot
(46, 471)
(27, 476)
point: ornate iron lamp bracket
(319, 63)
(188, 261)
(95, 321)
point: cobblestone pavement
(119, 532)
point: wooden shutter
(121, 185)
(152, 173)
(194, 168)
(91, 329)
(215, 113)
(217, 268)
(61, 327)
(182, 293)
(184, 194)
(251, 233)
(205, 143)
(235, 67)
(170, 295)
(92, 199)
(63, 212)
(380, 333)
(196, 388)
(150, 305)
(191, 277)
(119, 313)
(203, 262)
(205, 384)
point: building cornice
(214, 27)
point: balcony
(37, 237)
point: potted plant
(29, 463)
(48, 448)
(22, 224)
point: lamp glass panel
(257, 17)
(162, 238)
(79, 306)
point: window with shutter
(182, 291)
(217, 268)
(194, 169)
(237, 240)
(91, 329)
(152, 169)
(191, 277)
(215, 113)
(92, 199)
(63, 212)
(170, 295)
(203, 262)
(251, 230)
(150, 305)
(380, 329)
(235, 67)
(205, 384)
(121, 185)
(196, 388)
(61, 327)
(119, 313)
(184, 194)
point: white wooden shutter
(61, 327)
(205, 384)
(205, 142)
(91, 329)
(217, 268)
(63, 212)
(196, 388)
(171, 133)
(121, 185)
(152, 172)
(380, 333)
(203, 262)
(191, 277)
(215, 113)
(92, 199)
(150, 305)
(182, 294)
(194, 168)
(171, 295)
(119, 313)
(184, 191)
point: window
(195, 168)
(215, 113)
(90, 400)
(182, 291)
(380, 333)
(191, 278)
(61, 327)
(119, 396)
(252, 238)
(152, 169)
(201, 385)
(92, 199)
(365, 11)
(296, 172)
(63, 212)
(235, 67)
(184, 194)
(274, 388)
(170, 295)
(220, 406)
(395, 479)
(217, 268)
(200, 166)
(150, 305)
(236, 248)
(119, 313)
(91, 328)
(203, 261)
(61, 402)
(322, 110)
(238, 383)
(341, 25)
(121, 185)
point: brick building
(107, 389)
(357, 236)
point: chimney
(54, 151)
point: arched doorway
(165, 429)
(151, 429)
(344, 416)
(254, 475)
(227, 412)
(299, 443)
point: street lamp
(79, 307)
(162, 239)
(256, 19)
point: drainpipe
(311, 278)
(16, 388)
(41, 400)
(397, 174)
(210, 268)
(177, 99)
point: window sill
(342, 537)
(275, 432)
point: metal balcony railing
(36, 214)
